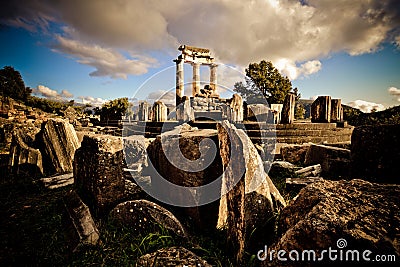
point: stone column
(336, 110)
(159, 111)
(143, 114)
(179, 81)
(213, 78)
(321, 109)
(196, 79)
(288, 109)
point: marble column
(213, 78)
(196, 79)
(179, 81)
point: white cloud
(66, 94)
(366, 106)
(238, 32)
(107, 62)
(46, 92)
(93, 101)
(167, 97)
(394, 92)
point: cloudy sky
(94, 50)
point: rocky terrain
(75, 195)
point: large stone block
(24, 159)
(81, 229)
(342, 215)
(295, 154)
(58, 142)
(249, 196)
(334, 161)
(321, 109)
(178, 158)
(98, 172)
(336, 110)
(375, 153)
(287, 114)
(146, 217)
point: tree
(114, 109)
(12, 84)
(264, 80)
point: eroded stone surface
(173, 256)
(146, 217)
(58, 141)
(366, 215)
(98, 172)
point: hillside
(356, 117)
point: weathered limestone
(334, 161)
(294, 184)
(365, 215)
(81, 228)
(277, 112)
(196, 79)
(321, 109)
(176, 156)
(58, 181)
(254, 197)
(289, 103)
(179, 81)
(375, 153)
(25, 160)
(70, 114)
(213, 79)
(59, 142)
(145, 217)
(295, 154)
(310, 171)
(236, 105)
(98, 172)
(144, 111)
(258, 112)
(173, 256)
(336, 110)
(184, 111)
(160, 111)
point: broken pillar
(24, 160)
(160, 111)
(287, 116)
(236, 114)
(336, 110)
(321, 110)
(59, 142)
(143, 114)
(276, 110)
(98, 172)
(184, 111)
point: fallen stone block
(98, 172)
(173, 256)
(81, 228)
(310, 171)
(58, 181)
(295, 154)
(334, 161)
(145, 217)
(25, 160)
(342, 215)
(244, 206)
(58, 142)
(299, 183)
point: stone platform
(295, 133)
